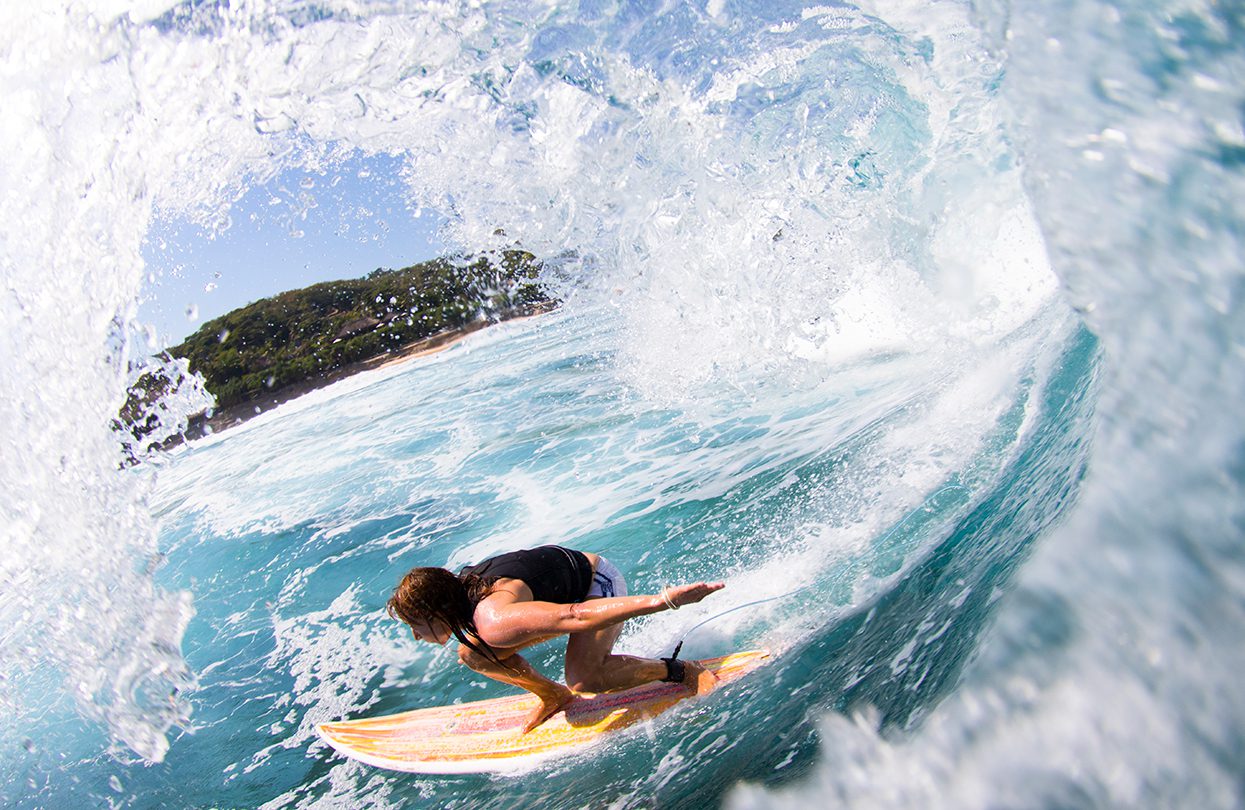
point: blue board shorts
(607, 580)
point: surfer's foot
(698, 679)
(549, 706)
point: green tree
(300, 335)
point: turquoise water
(292, 532)
(918, 324)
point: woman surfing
(511, 601)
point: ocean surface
(918, 323)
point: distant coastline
(269, 352)
(221, 419)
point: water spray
(679, 646)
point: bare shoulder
(506, 591)
(496, 623)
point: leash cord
(678, 647)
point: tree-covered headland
(297, 335)
(316, 334)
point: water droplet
(192, 312)
(29, 745)
(223, 336)
(209, 286)
(115, 783)
(307, 182)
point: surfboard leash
(679, 646)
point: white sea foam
(1119, 714)
(684, 207)
(840, 198)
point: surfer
(497, 607)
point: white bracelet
(666, 598)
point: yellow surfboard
(487, 735)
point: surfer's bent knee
(587, 680)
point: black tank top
(554, 574)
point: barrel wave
(919, 324)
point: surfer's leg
(592, 666)
(589, 654)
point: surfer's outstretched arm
(516, 671)
(504, 622)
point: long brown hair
(434, 593)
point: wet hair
(434, 593)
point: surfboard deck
(486, 735)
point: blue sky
(298, 229)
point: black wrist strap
(675, 671)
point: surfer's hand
(549, 706)
(679, 595)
